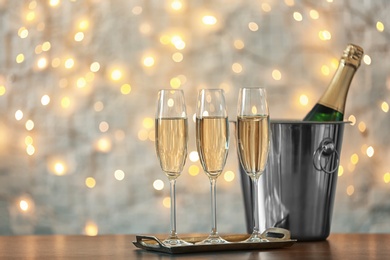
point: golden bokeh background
(78, 86)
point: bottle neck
(336, 93)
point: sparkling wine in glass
(171, 146)
(253, 142)
(212, 141)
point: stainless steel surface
(298, 186)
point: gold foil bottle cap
(352, 55)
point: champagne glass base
(212, 239)
(175, 241)
(255, 238)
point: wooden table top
(337, 246)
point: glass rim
(212, 89)
(167, 89)
(253, 88)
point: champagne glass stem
(255, 201)
(173, 208)
(213, 183)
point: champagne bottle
(330, 107)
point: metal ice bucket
(298, 186)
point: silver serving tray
(281, 240)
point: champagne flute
(171, 146)
(212, 141)
(253, 142)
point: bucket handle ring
(325, 150)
